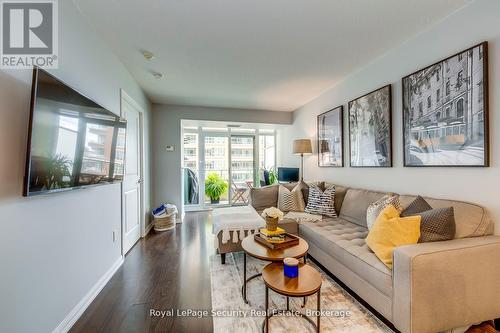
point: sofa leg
(497, 323)
(223, 258)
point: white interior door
(132, 182)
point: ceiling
(258, 54)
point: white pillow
(321, 202)
(290, 201)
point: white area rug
(347, 314)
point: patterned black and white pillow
(321, 202)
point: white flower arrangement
(272, 212)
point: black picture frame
(454, 130)
(376, 131)
(329, 144)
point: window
(267, 151)
(460, 78)
(438, 95)
(447, 87)
(480, 92)
(190, 151)
(448, 111)
(437, 75)
(420, 109)
(429, 102)
(460, 108)
(460, 57)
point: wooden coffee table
(306, 284)
(259, 251)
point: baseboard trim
(80, 308)
(148, 229)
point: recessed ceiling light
(148, 55)
(157, 75)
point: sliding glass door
(215, 177)
(242, 168)
(221, 165)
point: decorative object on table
(272, 215)
(302, 147)
(215, 187)
(331, 138)
(375, 208)
(287, 241)
(370, 123)
(273, 236)
(321, 202)
(291, 201)
(291, 267)
(164, 217)
(436, 224)
(445, 112)
(389, 231)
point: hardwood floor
(164, 271)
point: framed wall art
(445, 112)
(370, 124)
(330, 138)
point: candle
(291, 267)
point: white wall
(54, 248)
(471, 25)
(166, 130)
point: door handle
(140, 181)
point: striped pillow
(290, 201)
(321, 202)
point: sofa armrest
(444, 285)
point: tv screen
(72, 142)
(288, 174)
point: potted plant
(272, 215)
(215, 186)
(273, 176)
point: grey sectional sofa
(432, 287)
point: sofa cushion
(356, 203)
(305, 188)
(264, 197)
(321, 202)
(290, 201)
(373, 211)
(345, 242)
(470, 220)
(390, 231)
(340, 192)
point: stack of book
(277, 236)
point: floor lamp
(302, 147)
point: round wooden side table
(306, 284)
(255, 249)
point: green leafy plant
(215, 186)
(58, 168)
(273, 176)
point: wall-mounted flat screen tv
(73, 142)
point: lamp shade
(302, 146)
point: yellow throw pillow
(391, 230)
